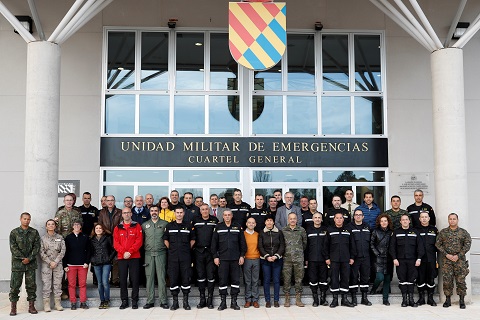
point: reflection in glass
(285, 176)
(190, 61)
(336, 115)
(154, 73)
(359, 191)
(297, 193)
(154, 114)
(270, 79)
(223, 192)
(367, 63)
(224, 114)
(267, 114)
(121, 60)
(119, 192)
(197, 192)
(189, 114)
(301, 62)
(156, 191)
(335, 62)
(267, 193)
(223, 68)
(353, 176)
(302, 115)
(206, 176)
(119, 114)
(368, 115)
(135, 176)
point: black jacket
(78, 250)
(330, 214)
(429, 237)
(340, 246)
(406, 244)
(240, 212)
(362, 235)
(228, 243)
(316, 249)
(414, 211)
(271, 243)
(102, 251)
(204, 232)
(380, 243)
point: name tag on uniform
(58, 240)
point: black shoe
(365, 301)
(354, 298)
(175, 305)
(323, 298)
(316, 302)
(430, 300)
(203, 302)
(148, 306)
(233, 303)
(421, 298)
(134, 304)
(164, 306)
(334, 301)
(124, 304)
(461, 302)
(411, 302)
(223, 303)
(447, 302)
(83, 305)
(73, 307)
(385, 302)
(404, 300)
(210, 301)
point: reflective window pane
(335, 62)
(330, 191)
(119, 192)
(368, 115)
(285, 176)
(197, 192)
(156, 191)
(119, 114)
(189, 114)
(267, 114)
(223, 68)
(301, 62)
(270, 79)
(300, 192)
(222, 192)
(135, 176)
(353, 176)
(154, 114)
(302, 115)
(336, 115)
(190, 61)
(367, 63)
(224, 114)
(121, 60)
(206, 176)
(154, 74)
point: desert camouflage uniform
(24, 244)
(66, 219)
(456, 242)
(52, 250)
(295, 245)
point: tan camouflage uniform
(52, 249)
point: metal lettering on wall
(243, 152)
(68, 186)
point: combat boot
(13, 310)
(421, 298)
(365, 299)
(411, 302)
(447, 302)
(233, 303)
(210, 300)
(298, 300)
(203, 302)
(461, 302)
(315, 299)
(404, 300)
(354, 298)
(334, 301)
(46, 305)
(430, 300)
(223, 303)
(345, 301)
(287, 300)
(323, 298)
(175, 304)
(186, 306)
(58, 305)
(31, 307)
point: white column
(42, 136)
(450, 153)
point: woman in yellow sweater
(165, 210)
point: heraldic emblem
(257, 33)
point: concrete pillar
(42, 135)
(450, 153)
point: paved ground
(376, 311)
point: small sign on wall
(407, 183)
(68, 186)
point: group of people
(344, 249)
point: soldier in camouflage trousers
(295, 245)
(24, 246)
(52, 251)
(453, 243)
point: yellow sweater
(167, 215)
(252, 245)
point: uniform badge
(147, 226)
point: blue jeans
(103, 273)
(272, 269)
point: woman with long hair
(165, 212)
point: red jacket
(128, 238)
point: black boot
(430, 299)
(354, 298)
(411, 302)
(186, 306)
(365, 299)
(345, 301)
(461, 302)
(223, 303)
(233, 303)
(210, 300)
(203, 303)
(421, 298)
(175, 305)
(447, 302)
(323, 298)
(315, 299)
(334, 301)
(404, 300)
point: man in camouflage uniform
(24, 246)
(396, 212)
(454, 243)
(295, 245)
